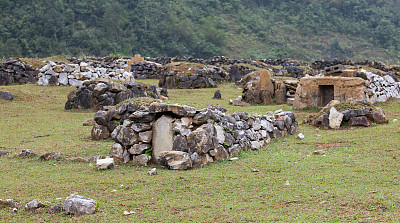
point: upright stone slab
(162, 136)
(265, 83)
(335, 118)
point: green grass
(356, 181)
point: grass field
(356, 181)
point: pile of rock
(194, 78)
(96, 94)
(75, 73)
(236, 72)
(181, 137)
(334, 119)
(264, 90)
(321, 64)
(381, 88)
(17, 71)
(146, 70)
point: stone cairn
(96, 94)
(74, 74)
(261, 89)
(17, 71)
(181, 137)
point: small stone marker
(217, 95)
(265, 83)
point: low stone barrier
(194, 78)
(181, 137)
(75, 73)
(98, 93)
(380, 88)
(147, 70)
(334, 119)
(15, 71)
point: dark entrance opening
(326, 94)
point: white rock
(220, 134)
(74, 82)
(63, 79)
(300, 136)
(103, 164)
(43, 81)
(335, 118)
(45, 68)
(152, 172)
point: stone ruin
(17, 71)
(181, 137)
(317, 92)
(96, 94)
(264, 90)
(354, 85)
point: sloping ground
(356, 180)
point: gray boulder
(142, 159)
(100, 132)
(6, 95)
(125, 135)
(175, 160)
(27, 153)
(35, 204)
(79, 205)
(117, 152)
(140, 148)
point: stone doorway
(326, 93)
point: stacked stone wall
(181, 137)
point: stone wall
(380, 88)
(321, 64)
(74, 74)
(316, 92)
(15, 71)
(96, 94)
(193, 78)
(147, 70)
(181, 137)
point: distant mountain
(301, 29)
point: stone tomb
(318, 91)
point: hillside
(306, 30)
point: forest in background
(299, 29)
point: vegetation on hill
(303, 29)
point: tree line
(302, 29)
